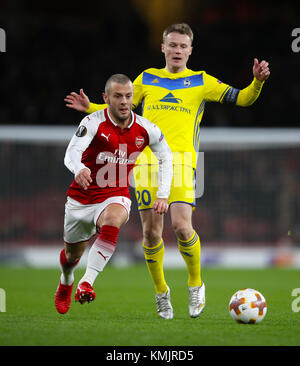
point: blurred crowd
(58, 47)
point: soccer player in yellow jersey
(174, 98)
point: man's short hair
(181, 28)
(116, 78)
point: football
(248, 306)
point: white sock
(98, 257)
(67, 275)
(67, 278)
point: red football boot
(63, 297)
(84, 293)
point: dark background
(57, 47)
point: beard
(118, 117)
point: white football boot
(196, 300)
(163, 305)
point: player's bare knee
(74, 251)
(72, 257)
(114, 215)
(152, 236)
(113, 220)
(182, 230)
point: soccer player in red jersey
(101, 156)
(174, 98)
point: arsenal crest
(139, 141)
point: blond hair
(181, 28)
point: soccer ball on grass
(248, 306)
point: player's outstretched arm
(248, 95)
(261, 70)
(80, 102)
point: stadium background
(249, 214)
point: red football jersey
(109, 152)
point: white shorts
(80, 220)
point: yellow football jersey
(175, 102)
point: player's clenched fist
(83, 178)
(160, 206)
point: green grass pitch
(124, 312)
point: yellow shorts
(146, 185)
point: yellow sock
(154, 257)
(190, 251)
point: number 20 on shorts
(143, 197)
